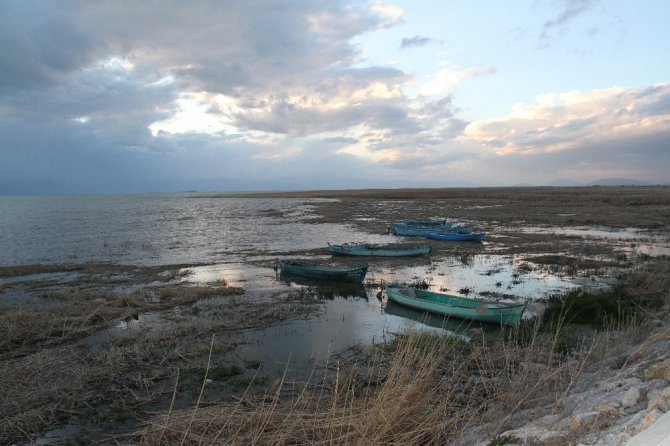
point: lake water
(155, 229)
(231, 236)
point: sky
(153, 96)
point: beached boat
(442, 222)
(326, 272)
(454, 236)
(379, 251)
(415, 230)
(454, 306)
(419, 230)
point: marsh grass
(74, 313)
(422, 388)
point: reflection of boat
(324, 272)
(326, 289)
(459, 326)
(419, 230)
(381, 251)
(454, 236)
(454, 306)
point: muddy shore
(59, 384)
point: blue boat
(441, 222)
(379, 251)
(354, 274)
(456, 237)
(419, 230)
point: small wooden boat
(454, 236)
(454, 306)
(419, 230)
(379, 251)
(316, 271)
(441, 222)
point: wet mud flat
(93, 351)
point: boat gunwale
(495, 305)
(323, 268)
(494, 312)
(371, 250)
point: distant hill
(565, 183)
(601, 182)
(617, 182)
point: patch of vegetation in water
(219, 372)
(595, 310)
(496, 295)
(420, 284)
(242, 382)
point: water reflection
(325, 289)
(456, 326)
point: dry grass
(73, 313)
(622, 195)
(37, 389)
(420, 389)
(431, 391)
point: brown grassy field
(644, 207)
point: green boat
(325, 272)
(378, 251)
(454, 306)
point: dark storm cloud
(39, 45)
(81, 82)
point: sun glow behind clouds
(194, 113)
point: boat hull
(475, 237)
(414, 230)
(324, 272)
(366, 250)
(442, 222)
(454, 306)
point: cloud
(571, 9)
(569, 121)
(450, 76)
(414, 42)
(131, 96)
(153, 90)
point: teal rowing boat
(416, 230)
(325, 272)
(455, 236)
(440, 222)
(454, 306)
(378, 251)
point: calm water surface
(155, 229)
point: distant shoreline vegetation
(522, 193)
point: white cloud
(447, 78)
(570, 120)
